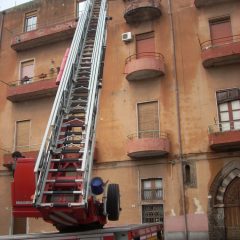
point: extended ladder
(65, 159)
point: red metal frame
(23, 188)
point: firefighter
(15, 156)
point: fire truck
(58, 185)
(152, 231)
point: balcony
(205, 3)
(222, 51)
(53, 31)
(37, 87)
(224, 138)
(142, 10)
(144, 66)
(148, 144)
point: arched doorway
(232, 210)
(224, 204)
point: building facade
(169, 112)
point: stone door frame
(216, 197)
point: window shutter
(22, 135)
(221, 30)
(148, 119)
(144, 36)
(145, 44)
(228, 95)
(27, 69)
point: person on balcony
(15, 156)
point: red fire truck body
(133, 232)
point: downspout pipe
(1, 25)
(178, 119)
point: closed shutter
(221, 31)
(145, 45)
(148, 119)
(27, 71)
(228, 95)
(22, 136)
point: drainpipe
(178, 119)
(1, 25)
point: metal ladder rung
(77, 110)
(73, 124)
(62, 192)
(67, 160)
(73, 117)
(71, 133)
(66, 170)
(81, 87)
(82, 78)
(69, 150)
(73, 142)
(52, 204)
(78, 102)
(87, 58)
(85, 68)
(64, 180)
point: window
(190, 177)
(26, 71)
(30, 21)
(22, 137)
(145, 46)
(220, 30)
(152, 189)
(152, 213)
(229, 109)
(80, 7)
(187, 174)
(148, 119)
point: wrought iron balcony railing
(145, 55)
(148, 134)
(224, 126)
(27, 80)
(152, 194)
(217, 42)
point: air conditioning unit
(127, 37)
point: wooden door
(221, 31)
(232, 210)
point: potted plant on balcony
(25, 80)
